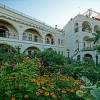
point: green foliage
(9, 53)
(49, 57)
(79, 69)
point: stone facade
(29, 34)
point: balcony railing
(9, 35)
(88, 49)
(48, 42)
(32, 39)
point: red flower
(14, 51)
(42, 63)
(12, 65)
(40, 59)
(0, 65)
(7, 49)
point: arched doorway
(87, 56)
(30, 50)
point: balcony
(32, 39)
(9, 35)
(88, 49)
(50, 42)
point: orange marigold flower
(72, 90)
(54, 96)
(63, 91)
(25, 96)
(52, 93)
(37, 93)
(38, 83)
(13, 99)
(48, 84)
(68, 89)
(47, 93)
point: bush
(49, 57)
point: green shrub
(49, 57)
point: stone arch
(31, 49)
(50, 49)
(88, 56)
(5, 21)
(76, 27)
(49, 39)
(86, 27)
(32, 34)
(8, 30)
(86, 42)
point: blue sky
(53, 12)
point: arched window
(49, 39)
(86, 43)
(24, 36)
(4, 31)
(86, 27)
(76, 27)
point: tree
(95, 39)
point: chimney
(55, 26)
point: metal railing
(9, 35)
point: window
(30, 37)
(29, 52)
(24, 36)
(58, 41)
(48, 41)
(78, 57)
(35, 38)
(62, 52)
(76, 27)
(4, 32)
(61, 41)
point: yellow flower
(47, 93)
(52, 86)
(25, 96)
(77, 82)
(44, 88)
(13, 99)
(42, 82)
(37, 93)
(38, 83)
(79, 93)
(58, 89)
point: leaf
(8, 93)
(85, 79)
(14, 73)
(95, 93)
(19, 95)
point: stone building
(18, 29)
